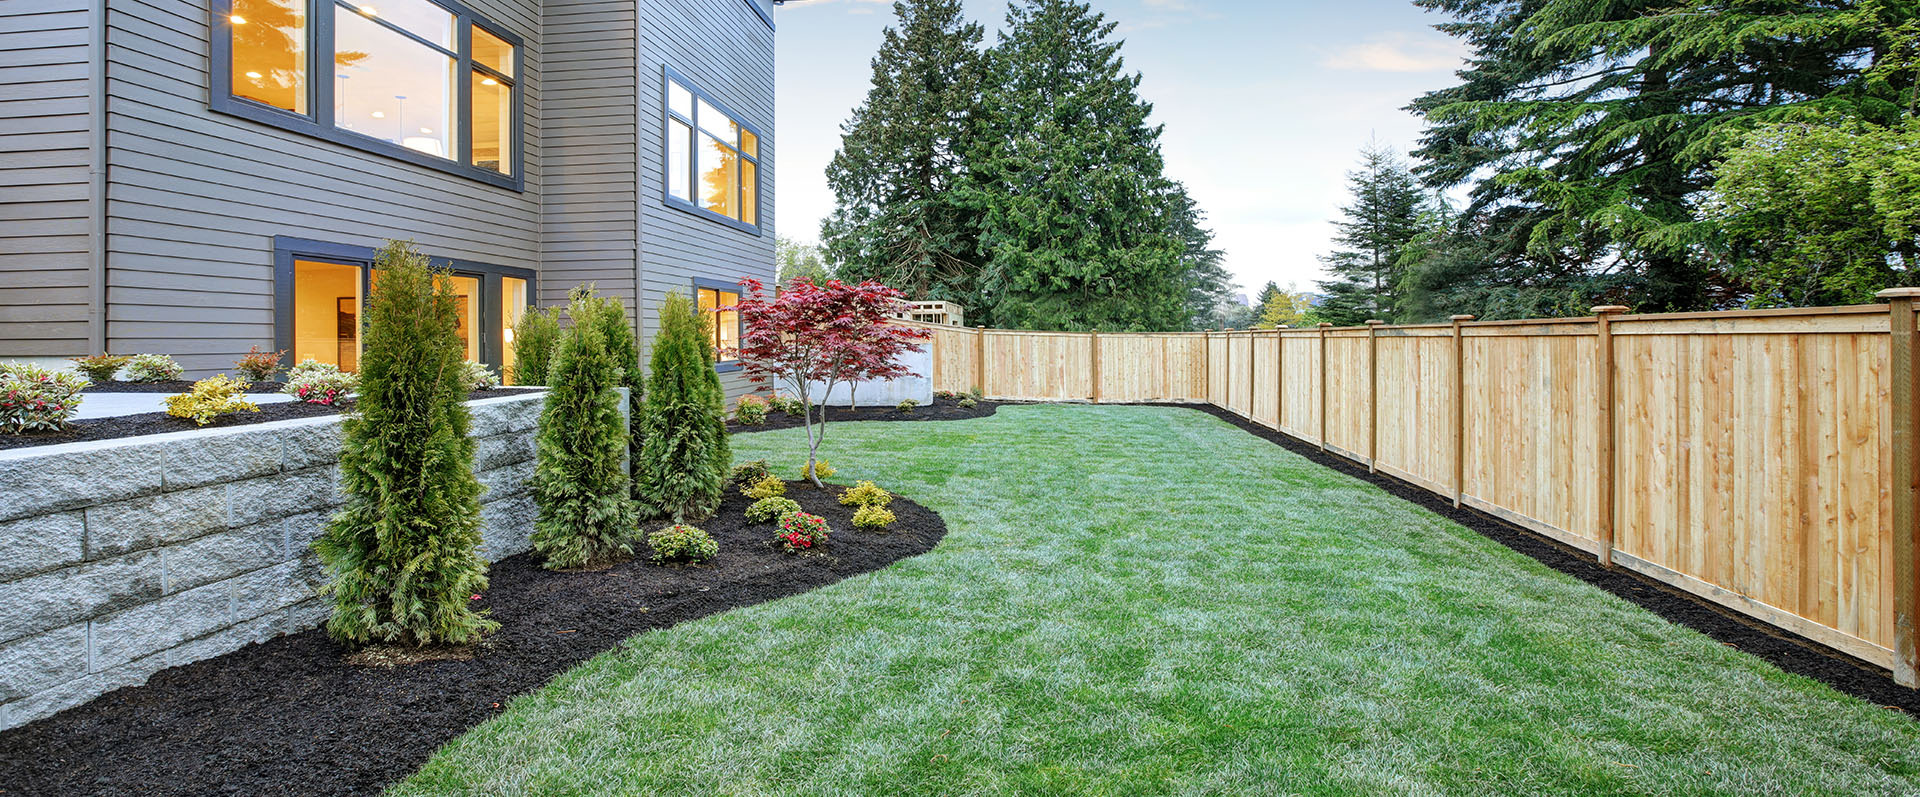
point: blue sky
(1266, 105)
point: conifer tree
(684, 457)
(1381, 221)
(403, 554)
(586, 512)
(623, 347)
(533, 341)
(896, 218)
(1080, 226)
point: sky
(1266, 104)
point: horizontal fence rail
(1766, 460)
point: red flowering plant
(812, 337)
(800, 531)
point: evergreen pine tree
(403, 554)
(1381, 221)
(586, 513)
(683, 462)
(623, 347)
(896, 218)
(1080, 226)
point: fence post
(1603, 449)
(980, 359)
(1323, 385)
(1373, 393)
(1459, 410)
(1094, 361)
(1206, 368)
(1905, 481)
(1251, 335)
(1279, 377)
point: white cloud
(1399, 52)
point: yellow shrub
(865, 494)
(823, 470)
(769, 487)
(211, 398)
(872, 518)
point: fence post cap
(1374, 322)
(1461, 317)
(1609, 309)
(1898, 293)
(1323, 324)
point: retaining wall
(120, 558)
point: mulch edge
(1784, 649)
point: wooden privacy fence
(1765, 460)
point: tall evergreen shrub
(683, 461)
(403, 555)
(624, 347)
(533, 341)
(586, 513)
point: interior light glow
(254, 75)
(379, 114)
(427, 130)
(369, 11)
(237, 19)
(489, 82)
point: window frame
(669, 76)
(287, 249)
(320, 90)
(739, 324)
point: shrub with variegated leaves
(36, 399)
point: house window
(513, 305)
(410, 79)
(712, 158)
(726, 323)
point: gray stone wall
(123, 557)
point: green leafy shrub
(682, 543)
(258, 365)
(967, 403)
(153, 368)
(316, 382)
(907, 406)
(800, 531)
(790, 405)
(768, 487)
(872, 518)
(586, 515)
(945, 395)
(750, 410)
(977, 394)
(865, 494)
(767, 510)
(36, 399)
(478, 376)
(403, 554)
(748, 474)
(211, 398)
(534, 339)
(682, 468)
(100, 367)
(823, 470)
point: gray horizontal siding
(725, 48)
(195, 198)
(45, 156)
(589, 227)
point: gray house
(197, 177)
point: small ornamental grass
(769, 487)
(211, 398)
(800, 531)
(682, 543)
(316, 382)
(750, 410)
(258, 365)
(748, 474)
(479, 377)
(153, 368)
(872, 518)
(36, 399)
(100, 367)
(865, 494)
(768, 510)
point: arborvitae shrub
(682, 467)
(580, 484)
(403, 554)
(624, 347)
(534, 339)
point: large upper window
(414, 79)
(713, 159)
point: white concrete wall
(887, 393)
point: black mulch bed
(159, 422)
(291, 716)
(169, 386)
(939, 410)
(1789, 651)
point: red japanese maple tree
(825, 335)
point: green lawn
(1140, 600)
